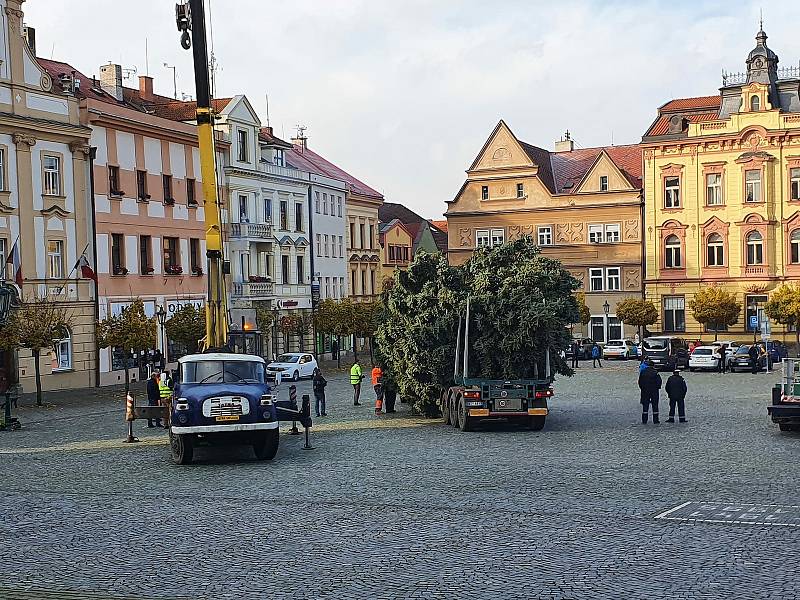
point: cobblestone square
(399, 507)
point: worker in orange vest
(377, 384)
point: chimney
(146, 88)
(300, 140)
(268, 130)
(111, 80)
(29, 33)
(565, 144)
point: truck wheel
(464, 422)
(265, 445)
(443, 404)
(536, 423)
(181, 448)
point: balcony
(755, 271)
(253, 290)
(258, 231)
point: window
(755, 103)
(794, 241)
(194, 256)
(612, 233)
(481, 238)
(372, 281)
(242, 145)
(243, 213)
(280, 158)
(118, 254)
(603, 183)
(485, 192)
(141, 186)
(614, 328)
(55, 259)
(63, 354)
(754, 307)
(595, 234)
(715, 251)
(599, 329)
(371, 235)
(794, 184)
(752, 186)
(406, 253)
(338, 206)
(361, 237)
(145, 254)
(363, 283)
(267, 210)
(298, 217)
(244, 265)
(171, 256)
(595, 280)
(674, 313)
(545, 235)
(301, 275)
(325, 245)
(284, 215)
(319, 245)
(713, 189)
(353, 283)
(613, 279)
(333, 247)
(113, 181)
(672, 192)
(341, 246)
(352, 235)
(52, 175)
(166, 181)
(191, 200)
(3, 253)
(755, 248)
(520, 190)
(3, 169)
(672, 252)
(325, 204)
(316, 202)
(285, 268)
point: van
(667, 352)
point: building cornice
(507, 211)
(43, 126)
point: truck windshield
(656, 343)
(218, 371)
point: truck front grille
(226, 406)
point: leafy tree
(303, 322)
(637, 311)
(288, 325)
(364, 322)
(520, 305)
(36, 325)
(583, 310)
(784, 307)
(132, 331)
(344, 324)
(715, 307)
(187, 326)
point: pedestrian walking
(153, 396)
(356, 376)
(377, 385)
(722, 358)
(319, 382)
(676, 392)
(335, 349)
(575, 349)
(754, 354)
(596, 355)
(650, 386)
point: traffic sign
(753, 321)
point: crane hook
(186, 41)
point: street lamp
(606, 309)
(754, 310)
(161, 315)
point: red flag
(86, 270)
(16, 265)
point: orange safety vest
(377, 374)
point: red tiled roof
(267, 135)
(699, 102)
(569, 168)
(661, 126)
(440, 224)
(308, 160)
(177, 110)
(391, 210)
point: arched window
(672, 252)
(755, 248)
(755, 103)
(62, 361)
(715, 250)
(794, 241)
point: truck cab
(222, 398)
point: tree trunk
(338, 352)
(797, 341)
(38, 376)
(355, 348)
(716, 332)
(371, 355)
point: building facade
(44, 205)
(404, 233)
(722, 183)
(583, 207)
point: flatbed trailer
(785, 407)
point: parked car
(666, 352)
(741, 360)
(584, 348)
(621, 349)
(704, 357)
(777, 351)
(292, 365)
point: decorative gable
(501, 151)
(603, 167)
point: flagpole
(75, 267)
(5, 263)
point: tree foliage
(784, 307)
(521, 304)
(131, 330)
(715, 307)
(187, 326)
(36, 325)
(583, 310)
(638, 312)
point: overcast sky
(404, 94)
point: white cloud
(403, 95)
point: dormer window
(755, 103)
(603, 183)
(280, 159)
(242, 145)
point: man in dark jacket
(650, 386)
(575, 349)
(676, 391)
(319, 383)
(754, 356)
(153, 396)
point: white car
(292, 365)
(622, 349)
(704, 357)
(730, 349)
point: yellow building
(722, 193)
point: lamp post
(7, 296)
(161, 315)
(754, 310)
(606, 309)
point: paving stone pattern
(411, 512)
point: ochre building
(722, 190)
(582, 206)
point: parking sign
(753, 321)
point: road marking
(737, 513)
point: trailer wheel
(464, 422)
(181, 448)
(536, 423)
(444, 405)
(265, 444)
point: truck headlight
(267, 399)
(182, 404)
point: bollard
(307, 420)
(293, 401)
(130, 416)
